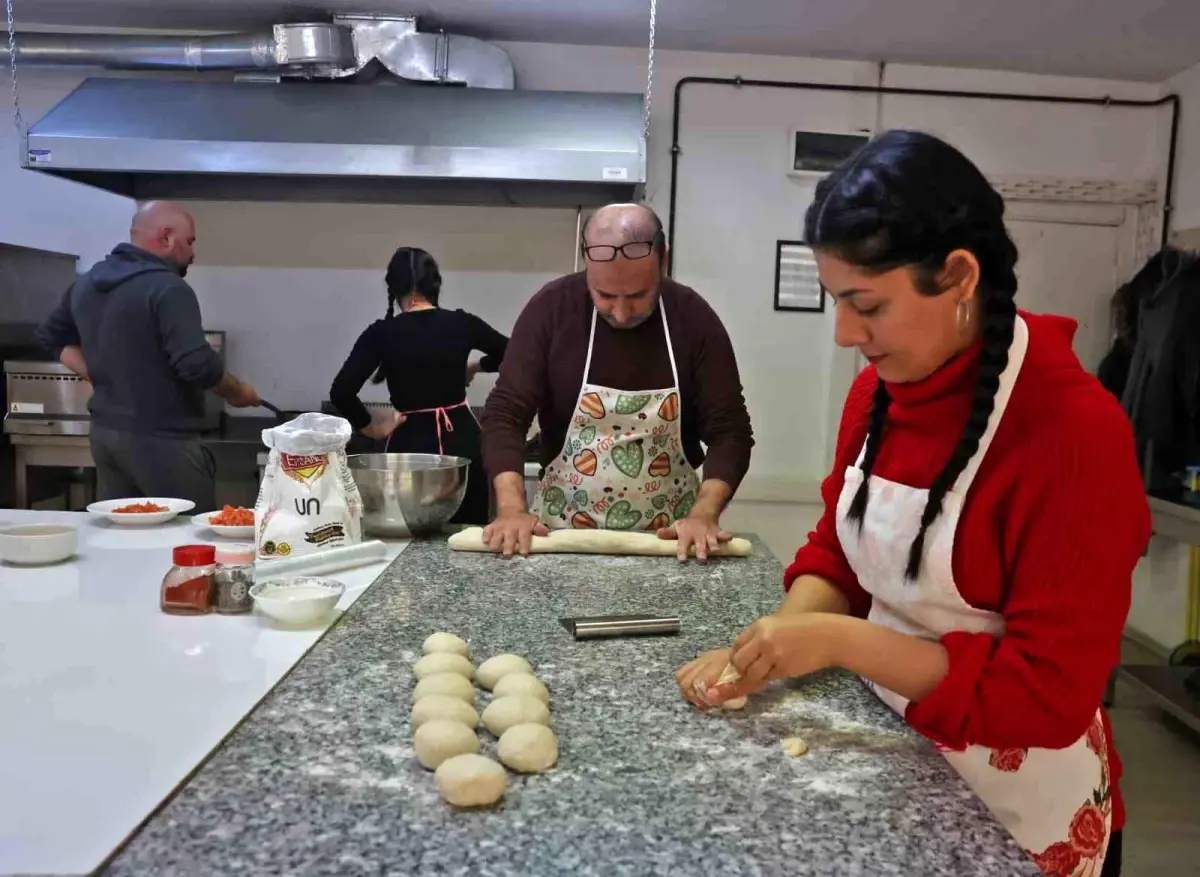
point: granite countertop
(321, 778)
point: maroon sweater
(543, 370)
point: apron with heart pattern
(1056, 802)
(622, 465)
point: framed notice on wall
(797, 287)
(816, 153)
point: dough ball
(470, 780)
(529, 748)
(522, 683)
(494, 669)
(793, 746)
(441, 706)
(516, 709)
(439, 739)
(730, 674)
(439, 642)
(447, 684)
(443, 662)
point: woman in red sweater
(983, 517)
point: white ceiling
(1123, 39)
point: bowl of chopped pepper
(140, 512)
(232, 522)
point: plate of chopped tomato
(140, 511)
(233, 522)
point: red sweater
(1051, 530)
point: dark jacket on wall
(1162, 390)
(138, 324)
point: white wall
(294, 284)
(47, 213)
(734, 202)
(1187, 184)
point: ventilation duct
(345, 48)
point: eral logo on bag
(305, 468)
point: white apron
(622, 465)
(1055, 802)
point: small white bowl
(174, 507)
(297, 601)
(223, 530)
(37, 544)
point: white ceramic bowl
(37, 544)
(246, 532)
(174, 507)
(299, 600)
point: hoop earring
(962, 315)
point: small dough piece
(439, 642)
(794, 746)
(439, 739)
(441, 706)
(443, 662)
(447, 684)
(522, 683)
(600, 542)
(529, 748)
(516, 709)
(729, 674)
(494, 669)
(470, 780)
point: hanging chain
(18, 119)
(649, 70)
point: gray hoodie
(138, 324)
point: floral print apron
(622, 465)
(1056, 802)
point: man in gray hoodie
(131, 325)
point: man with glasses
(634, 383)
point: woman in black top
(423, 353)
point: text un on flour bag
(308, 501)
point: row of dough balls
(444, 720)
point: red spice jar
(187, 589)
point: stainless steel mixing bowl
(408, 494)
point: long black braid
(910, 199)
(410, 270)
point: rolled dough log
(599, 542)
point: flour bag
(308, 501)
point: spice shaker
(233, 579)
(188, 585)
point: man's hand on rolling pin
(777, 647)
(700, 530)
(512, 533)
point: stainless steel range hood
(319, 141)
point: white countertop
(106, 703)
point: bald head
(617, 224)
(624, 283)
(166, 230)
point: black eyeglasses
(606, 252)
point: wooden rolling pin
(600, 542)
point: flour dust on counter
(323, 778)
